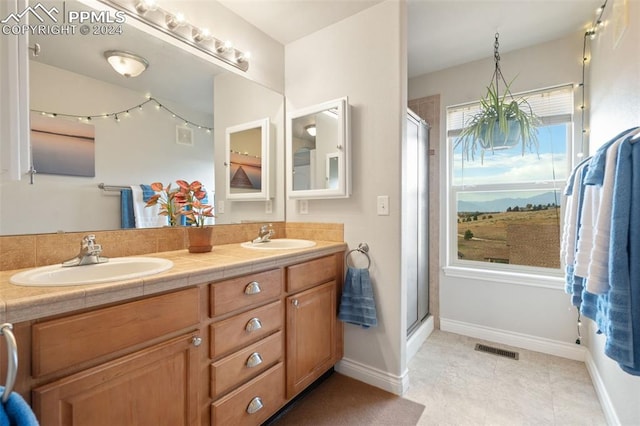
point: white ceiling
(442, 33)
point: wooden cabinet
(231, 352)
(311, 336)
(154, 386)
(314, 336)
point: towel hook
(12, 357)
(362, 248)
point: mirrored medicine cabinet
(318, 151)
(247, 161)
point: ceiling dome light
(311, 129)
(126, 63)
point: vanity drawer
(235, 369)
(311, 273)
(230, 295)
(65, 342)
(235, 408)
(245, 328)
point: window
(506, 210)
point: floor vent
(496, 351)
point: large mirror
(318, 151)
(136, 140)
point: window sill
(554, 282)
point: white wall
(139, 149)
(528, 315)
(363, 57)
(615, 106)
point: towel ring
(362, 248)
(12, 357)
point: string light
(590, 34)
(117, 115)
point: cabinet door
(155, 386)
(311, 335)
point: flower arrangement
(166, 198)
(186, 200)
(190, 197)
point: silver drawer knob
(295, 303)
(197, 341)
(253, 325)
(255, 405)
(253, 360)
(252, 288)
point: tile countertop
(20, 303)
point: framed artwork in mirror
(318, 151)
(247, 161)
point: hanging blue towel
(127, 217)
(16, 411)
(357, 305)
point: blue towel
(127, 217)
(595, 175)
(147, 192)
(357, 305)
(16, 411)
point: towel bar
(362, 248)
(12, 358)
(106, 187)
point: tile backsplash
(28, 251)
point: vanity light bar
(175, 25)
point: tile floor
(460, 386)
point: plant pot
(501, 140)
(200, 239)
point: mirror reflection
(247, 159)
(136, 139)
(319, 149)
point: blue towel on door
(357, 305)
(16, 411)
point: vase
(200, 239)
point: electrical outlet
(220, 207)
(383, 205)
(268, 207)
(303, 206)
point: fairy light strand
(117, 115)
(590, 34)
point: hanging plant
(502, 122)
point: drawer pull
(254, 360)
(252, 288)
(196, 340)
(253, 325)
(295, 303)
(255, 405)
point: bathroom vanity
(222, 338)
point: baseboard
(374, 377)
(601, 390)
(525, 341)
(417, 338)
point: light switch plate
(383, 205)
(220, 207)
(268, 207)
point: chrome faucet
(265, 234)
(89, 253)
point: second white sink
(116, 269)
(280, 244)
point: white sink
(280, 244)
(116, 269)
